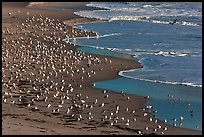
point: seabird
(172, 23)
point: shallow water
(168, 108)
(105, 52)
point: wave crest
(157, 81)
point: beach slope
(47, 84)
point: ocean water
(106, 52)
(170, 101)
(171, 53)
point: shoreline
(88, 92)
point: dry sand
(30, 115)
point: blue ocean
(166, 38)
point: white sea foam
(91, 37)
(143, 12)
(168, 8)
(142, 18)
(156, 81)
(147, 6)
(189, 23)
(172, 54)
(145, 18)
(159, 53)
(112, 34)
(94, 4)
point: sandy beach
(46, 83)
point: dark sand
(26, 81)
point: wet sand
(47, 83)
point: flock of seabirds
(36, 68)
